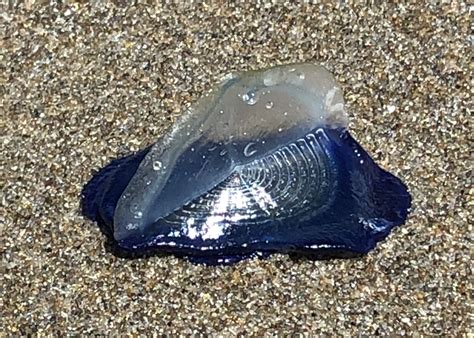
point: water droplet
(138, 214)
(192, 149)
(301, 76)
(250, 97)
(157, 165)
(269, 105)
(280, 130)
(285, 113)
(221, 111)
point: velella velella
(262, 163)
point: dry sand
(82, 84)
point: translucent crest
(245, 118)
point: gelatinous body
(263, 163)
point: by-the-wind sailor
(261, 164)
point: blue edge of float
(100, 196)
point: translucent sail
(243, 119)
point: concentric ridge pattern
(296, 180)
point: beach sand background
(84, 83)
